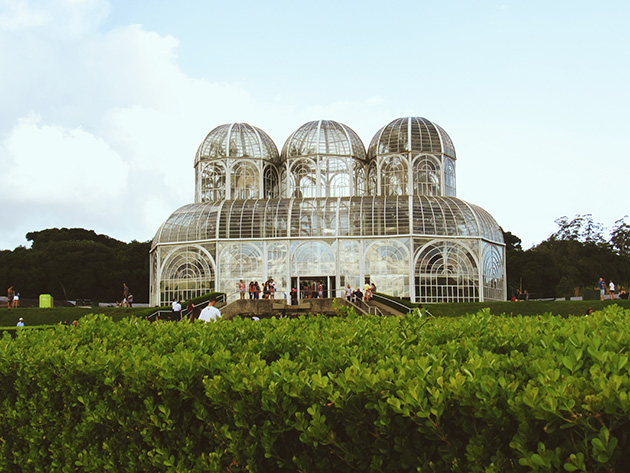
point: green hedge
(383, 394)
(34, 316)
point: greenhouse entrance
(308, 286)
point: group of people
(358, 295)
(210, 313)
(13, 298)
(127, 300)
(611, 290)
(311, 290)
(268, 289)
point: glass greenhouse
(326, 211)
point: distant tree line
(74, 263)
(571, 260)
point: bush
(471, 394)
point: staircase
(279, 308)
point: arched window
(245, 181)
(271, 186)
(187, 272)
(212, 186)
(426, 175)
(449, 178)
(239, 261)
(303, 179)
(372, 179)
(492, 274)
(313, 258)
(446, 272)
(394, 176)
(387, 266)
(336, 177)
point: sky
(104, 103)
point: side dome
(237, 140)
(411, 134)
(236, 161)
(324, 137)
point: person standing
(210, 313)
(611, 289)
(177, 309)
(241, 289)
(190, 308)
(602, 289)
(348, 293)
(10, 295)
(16, 300)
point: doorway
(307, 286)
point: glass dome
(324, 137)
(411, 134)
(237, 140)
(411, 156)
(236, 161)
(324, 158)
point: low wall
(279, 307)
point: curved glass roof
(237, 140)
(429, 216)
(324, 137)
(415, 134)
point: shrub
(471, 394)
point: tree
(574, 257)
(582, 228)
(73, 263)
(620, 236)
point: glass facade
(326, 209)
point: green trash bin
(45, 301)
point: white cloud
(62, 18)
(51, 164)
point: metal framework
(325, 210)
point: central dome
(323, 158)
(324, 137)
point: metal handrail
(400, 306)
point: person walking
(210, 313)
(177, 309)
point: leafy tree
(620, 236)
(72, 263)
(574, 257)
(582, 228)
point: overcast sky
(103, 104)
